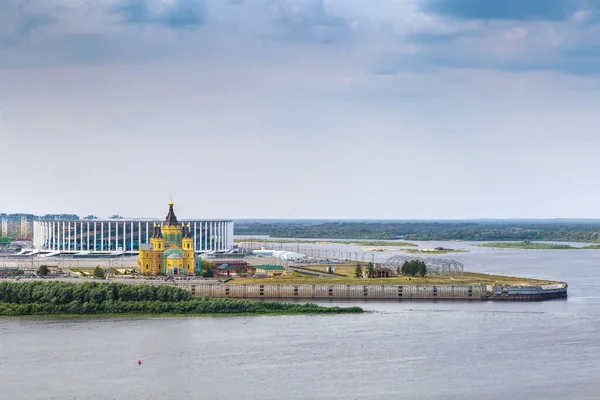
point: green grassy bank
(535, 246)
(117, 299)
(435, 251)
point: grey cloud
(577, 62)
(307, 13)
(443, 43)
(307, 21)
(564, 46)
(179, 14)
(17, 23)
(504, 9)
(28, 22)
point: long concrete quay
(380, 292)
(473, 292)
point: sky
(301, 108)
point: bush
(208, 272)
(99, 272)
(39, 298)
(43, 271)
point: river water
(410, 350)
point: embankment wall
(380, 292)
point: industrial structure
(123, 236)
(435, 266)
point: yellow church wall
(150, 262)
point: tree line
(472, 231)
(89, 292)
(41, 298)
(412, 268)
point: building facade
(171, 249)
(123, 235)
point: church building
(170, 251)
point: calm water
(410, 350)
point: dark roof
(234, 261)
(157, 233)
(171, 219)
(226, 267)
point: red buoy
(139, 362)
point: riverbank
(326, 241)
(526, 245)
(440, 250)
(112, 299)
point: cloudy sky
(301, 108)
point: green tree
(208, 272)
(209, 264)
(43, 271)
(407, 267)
(99, 272)
(414, 268)
(358, 273)
(422, 269)
(239, 270)
(370, 270)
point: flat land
(536, 246)
(348, 270)
(435, 251)
(350, 279)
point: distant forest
(551, 230)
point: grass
(467, 278)
(316, 241)
(535, 246)
(115, 299)
(435, 251)
(382, 243)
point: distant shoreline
(327, 241)
(527, 245)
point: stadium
(122, 236)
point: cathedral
(170, 251)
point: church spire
(171, 219)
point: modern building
(171, 249)
(16, 226)
(281, 254)
(123, 236)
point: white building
(122, 235)
(281, 254)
